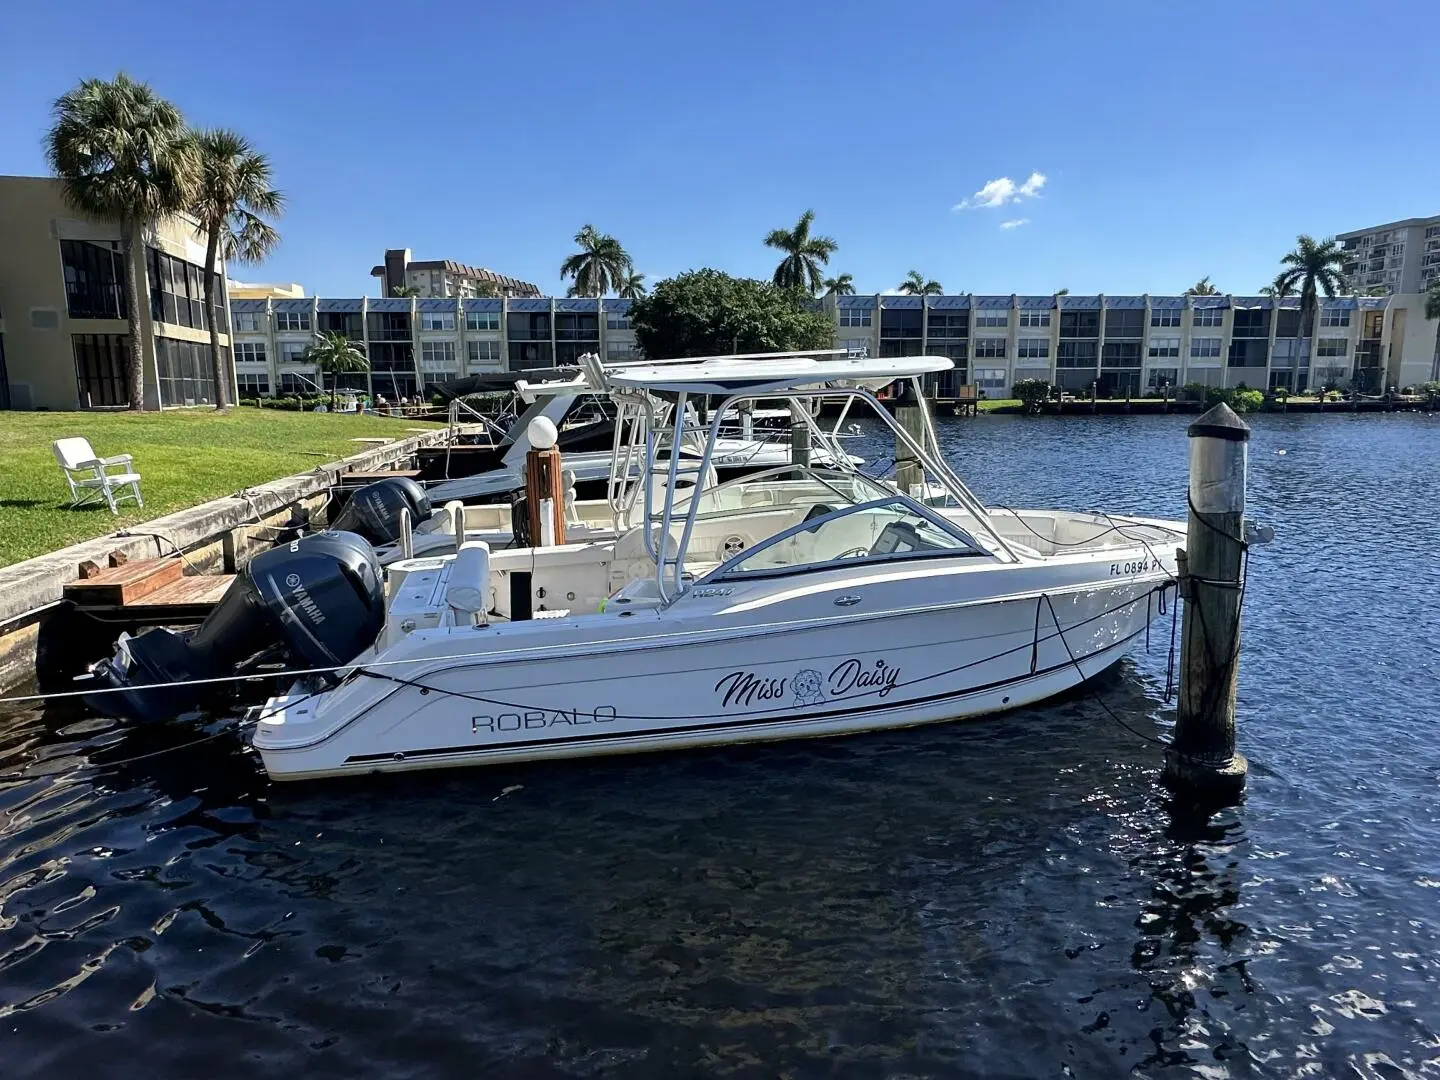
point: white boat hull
(719, 673)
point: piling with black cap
(909, 414)
(1202, 757)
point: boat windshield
(786, 486)
(882, 530)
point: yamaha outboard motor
(316, 602)
(374, 511)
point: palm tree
(916, 285)
(1062, 292)
(123, 154)
(844, 285)
(404, 291)
(804, 255)
(1202, 288)
(1311, 266)
(633, 287)
(234, 191)
(1277, 289)
(600, 266)
(334, 354)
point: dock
(147, 592)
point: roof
(721, 375)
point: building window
(621, 351)
(292, 320)
(1205, 348)
(437, 355)
(1332, 346)
(250, 351)
(94, 280)
(989, 348)
(577, 326)
(292, 352)
(291, 383)
(1165, 316)
(1079, 324)
(1335, 317)
(530, 326)
(1164, 347)
(901, 323)
(1249, 352)
(1213, 316)
(1033, 348)
(185, 373)
(437, 320)
(1160, 377)
(992, 317)
(1076, 354)
(949, 324)
(482, 320)
(852, 316)
(100, 369)
(990, 378)
(177, 292)
(855, 345)
(246, 322)
(1127, 323)
(1250, 323)
(389, 325)
(483, 352)
(252, 383)
(620, 320)
(1034, 319)
(1121, 354)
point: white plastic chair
(90, 477)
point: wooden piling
(545, 497)
(1202, 757)
(909, 473)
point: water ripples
(1013, 897)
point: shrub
(1033, 393)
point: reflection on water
(1011, 897)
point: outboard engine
(316, 602)
(374, 511)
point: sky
(1120, 147)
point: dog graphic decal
(807, 687)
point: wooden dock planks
(117, 586)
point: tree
(804, 255)
(1202, 288)
(335, 354)
(916, 285)
(1311, 266)
(1432, 300)
(1277, 289)
(404, 291)
(1062, 292)
(123, 154)
(844, 285)
(234, 191)
(633, 287)
(710, 313)
(600, 266)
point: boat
(806, 600)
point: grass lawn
(991, 404)
(183, 458)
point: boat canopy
(731, 375)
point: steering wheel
(862, 550)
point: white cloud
(1002, 191)
(1015, 223)
(893, 292)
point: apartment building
(1401, 257)
(1139, 344)
(442, 277)
(63, 334)
(412, 340)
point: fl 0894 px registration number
(1125, 569)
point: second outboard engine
(316, 602)
(374, 511)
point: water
(1009, 897)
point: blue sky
(1173, 140)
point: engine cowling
(316, 602)
(374, 511)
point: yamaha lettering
(538, 719)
